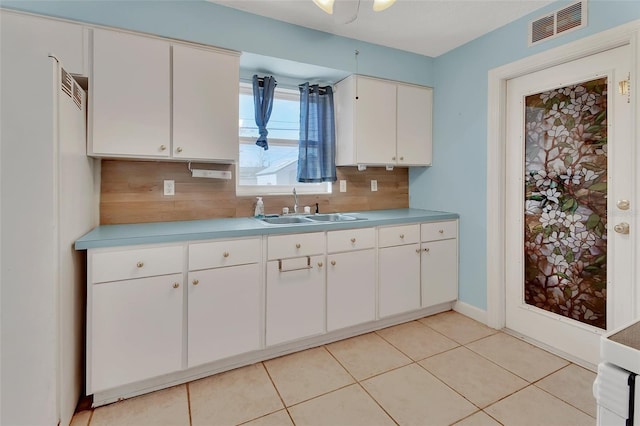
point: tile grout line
(407, 355)
(378, 403)
(357, 382)
(284, 406)
(189, 403)
(557, 397)
(513, 372)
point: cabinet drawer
(350, 239)
(223, 253)
(139, 263)
(284, 246)
(398, 235)
(439, 230)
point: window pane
(276, 166)
(274, 170)
(284, 122)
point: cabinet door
(295, 299)
(439, 274)
(130, 96)
(398, 279)
(205, 104)
(414, 125)
(375, 121)
(135, 330)
(351, 289)
(224, 312)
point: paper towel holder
(210, 174)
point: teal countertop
(167, 232)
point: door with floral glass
(569, 166)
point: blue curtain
(317, 144)
(263, 89)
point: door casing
(627, 34)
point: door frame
(627, 34)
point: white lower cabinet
(224, 313)
(351, 277)
(135, 330)
(398, 269)
(295, 298)
(351, 289)
(241, 298)
(398, 279)
(439, 263)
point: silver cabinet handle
(320, 264)
(179, 149)
(176, 285)
(225, 254)
(140, 264)
(163, 147)
(298, 246)
(353, 240)
(196, 282)
(401, 235)
(333, 263)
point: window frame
(322, 188)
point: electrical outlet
(374, 185)
(343, 186)
(169, 187)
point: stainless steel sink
(333, 217)
(285, 220)
(308, 219)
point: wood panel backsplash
(132, 192)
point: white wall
(33, 376)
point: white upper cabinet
(155, 99)
(381, 122)
(130, 96)
(414, 106)
(205, 104)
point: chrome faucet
(295, 201)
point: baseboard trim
(471, 311)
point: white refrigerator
(76, 188)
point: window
(272, 171)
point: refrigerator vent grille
(71, 88)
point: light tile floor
(440, 370)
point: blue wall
(457, 180)
(208, 23)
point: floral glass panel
(566, 201)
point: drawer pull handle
(333, 263)
(140, 264)
(353, 240)
(196, 282)
(441, 231)
(426, 249)
(225, 254)
(401, 158)
(393, 158)
(179, 149)
(401, 235)
(417, 250)
(176, 285)
(163, 147)
(320, 264)
(298, 246)
(308, 266)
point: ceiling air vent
(555, 23)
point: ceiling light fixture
(378, 5)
